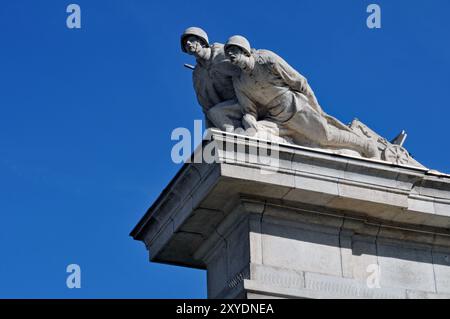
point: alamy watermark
(234, 146)
(374, 19)
(73, 21)
(373, 280)
(74, 279)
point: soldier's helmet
(239, 41)
(194, 31)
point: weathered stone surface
(406, 267)
(301, 249)
(310, 229)
(357, 254)
(441, 263)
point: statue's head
(194, 40)
(238, 50)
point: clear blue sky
(86, 118)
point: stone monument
(296, 204)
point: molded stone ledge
(323, 287)
(316, 204)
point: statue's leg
(226, 116)
(309, 124)
(315, 127)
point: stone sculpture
(260, 94)
(268, 88)
(212, 76)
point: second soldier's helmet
(200, 33)
(239, 41)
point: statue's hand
(249, 121)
